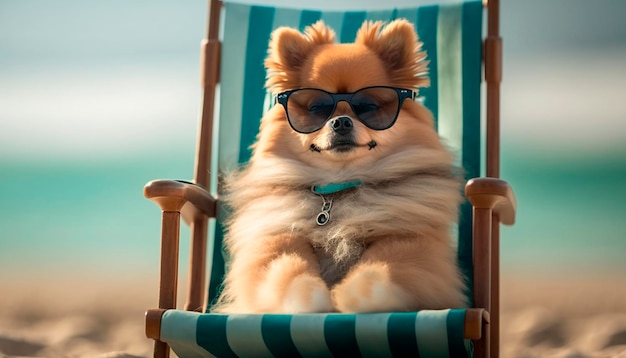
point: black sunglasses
(308, 109)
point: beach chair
(233, 79)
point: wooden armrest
(153, 323)
(176, 195)
(474, 320)
(495, 194)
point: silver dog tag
(324, 216)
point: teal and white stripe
(450, 76)
(307, 332)
(414, 334)
(451, 35)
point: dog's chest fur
(337, 246)
(332, 271)
(405, 207)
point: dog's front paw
(291, 286)
(307, 294)
(369, 288)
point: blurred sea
(92, 217)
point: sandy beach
(575, 316)
(75, 318)
(547, 317)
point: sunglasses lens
(308, 109)
(376, 107)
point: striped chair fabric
(451, 35)
(406, 334)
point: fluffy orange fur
(387, 246)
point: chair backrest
(452, 37)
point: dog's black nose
(342, 125)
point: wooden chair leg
(161, 350)
(170, 232)
(495, 286)
(482, 273)
(196, 291)
(482, 347)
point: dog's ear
(288, 50)
(398, 47)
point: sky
(74, 73)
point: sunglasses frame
(402, 93)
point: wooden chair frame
(493, 201)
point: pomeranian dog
(347, 202)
